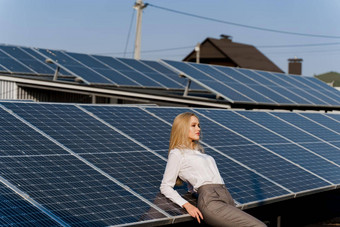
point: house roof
(332, 78)
(232, 54)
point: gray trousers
(218, 208)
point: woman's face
(194, 131)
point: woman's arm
(169, 178)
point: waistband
(209, 186)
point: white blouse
(191, 166)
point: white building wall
(8, 90)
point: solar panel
(309, 126)
(130, 72)
(104, 70)
(16, 211)
(27, 60)
(323, 120)
(74, 67)
(102, 164)
(11, 65)
(258, 86)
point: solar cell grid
(19, 139)
(327, 150)
(127, 71)
(73, 128)
(309, 126)
(12, 65)
(142, 171)
(153, 74)
(308, 160)
(166, 71)
(274, 167)
(238, 124)
(27, 59)
(278, 126)
(74, 67)
(138, 124)
(42, 59)
(315, 90)
(72, 190)
(300, 89)
(336, 117)
(17, 212)
(107, 72)
(323, 120)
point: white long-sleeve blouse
(191, 166)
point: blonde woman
(187, 162)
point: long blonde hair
(179, 136)
(180, 131)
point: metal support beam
(186, 91)
(56, 73)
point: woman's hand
(193, 211)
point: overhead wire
(243, 25)
(130, 28)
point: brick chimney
(295, 66)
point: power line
(243, 25)
(299, 45)
(128, 37)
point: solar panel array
(91, 69)
(70, 164)
(259, 87)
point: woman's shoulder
(175, 151)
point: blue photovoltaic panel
(317, 165)
(314, 90)
(138, 124)
(323, 120)
(326, 150)
(171, 74)
(242, 126)
(73, 128)
(294, 134)
(141, 171)
(309, 126)
(12, 65)
(334, 116)
(300, 89)
(74, 67)
(253, 84)
(2, 69)
(278, 126)
(68, 187)
(128, 71)
(294, 93)
(210, 83)
(118, 156)
(334, 93)
(257, 86)
(72, 190)
(116, 77)
(105, 145)
(151, 73)
(27, 60)
(19, 139)
(42, 59)
(17, 212)
(182, 82)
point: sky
(280, 29)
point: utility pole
(139, 6)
